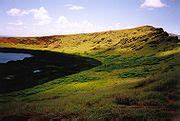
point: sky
(57, 17)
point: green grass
(115, 63)
(76, 78)
(137, 73)
(137, 80)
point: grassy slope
(138, 77)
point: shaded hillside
(138, 78)
(171, 34)
(42, 67)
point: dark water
(6, 57)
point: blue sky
(49, 17)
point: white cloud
(63, 22)
(153, 4)
(74, 7)
(16, 12)
(17, 23)
(41, 14)
(118, 26)
(67, 26)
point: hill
(171, 34)
(138, 77)
(132, 39)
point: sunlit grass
(168, 53)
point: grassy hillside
(138, 78)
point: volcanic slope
(138, 77)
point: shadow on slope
(42, 67)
